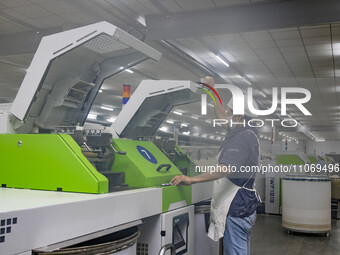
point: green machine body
(47, 162)
(145, 165)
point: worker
(234, 201)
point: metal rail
(167, 247)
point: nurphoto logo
(239, 99)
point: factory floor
(269, 238)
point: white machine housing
(150, 104)
(175, 227)
(66, 73)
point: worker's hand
(181, 179)
(210, 80)
(229, 112)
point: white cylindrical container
(306, 203)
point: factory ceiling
(265, 43)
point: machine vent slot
(175, 88)
(62, 48)
(156, 92)
(142, 249)
(82, 38)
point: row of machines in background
(72, 184)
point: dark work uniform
(241, 148)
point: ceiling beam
(241, 18)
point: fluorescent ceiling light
(184, 125)
(100, 91)
(165, 129)
(194, 117)
(320, 140)
(106, 108)
(91, 116)
(262, 94)
(170, 121)
(221, 60)
(207, 121)
(141, 20)
(111, 119)
(178, 113)
(127, 70)
(246, 80)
